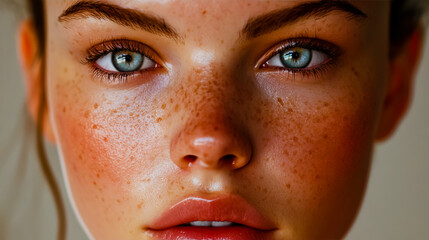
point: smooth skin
(301, 143)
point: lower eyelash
(315, 72)
(111, 78)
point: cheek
(110, 142)
(317, 144)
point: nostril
(190, 158)
(229, 159)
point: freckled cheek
(321, 147)
(108, 146)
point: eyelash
(332, 51)
(106, 47)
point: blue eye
(297, 58)
(125, 61)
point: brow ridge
(275, 20)
(122, 16)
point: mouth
(224, 217)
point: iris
(127, 61)
(296, 57)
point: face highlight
(208, 99)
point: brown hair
(405, 17)
(37, 13)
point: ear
(401, 81)
(31, 64)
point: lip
(229, 208)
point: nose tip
(211, 147)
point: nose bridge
(210, 136)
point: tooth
(221, 224)
(201, 223)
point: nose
(214, 144)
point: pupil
(128, 58)
(295, 55)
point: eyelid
(329, 49)
(105, 47)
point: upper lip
(231, 208)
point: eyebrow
(275, 20)
(122, 16)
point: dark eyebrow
(123, 16)
(275, 20)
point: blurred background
(396, 205)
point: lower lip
(211, 233)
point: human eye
(301, 56)
(117, 61)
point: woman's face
(261, 113)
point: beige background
(396, 205)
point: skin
(302, 143)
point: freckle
(326, 104)
(105, 139)
(288, 185)
(176, 108)
(131, 114)
(95, 126)
(280, 101)
(158, 120)
(119, 201)
(94, 183)
(325, 136)
(102, 199)
(86, 114)
(355, 72)
(140, 205)
(65, 70)
(128, 182)
(295, 139)
(286, 152)
(182, 187)
(98, 175)
(289, 110)
(64, 109)
(204, 12)
(163, 106)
